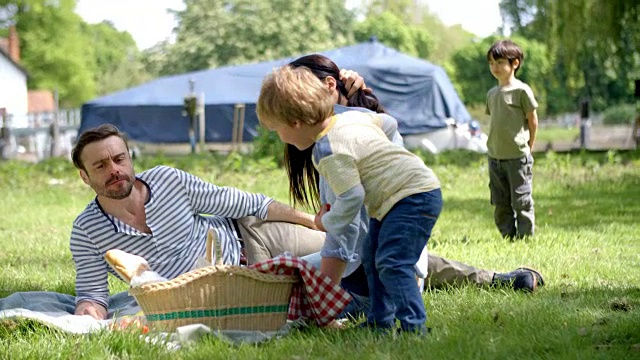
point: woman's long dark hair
(304, 180)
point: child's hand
(318, 219)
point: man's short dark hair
(92, 135)
(506, 49)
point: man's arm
(229, 202)
(92, 288)
(277, 211)
(532, 119)
(92, 309)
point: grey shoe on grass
(522, 278)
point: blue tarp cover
(417, 93)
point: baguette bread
(126, 265)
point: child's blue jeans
(389, 256)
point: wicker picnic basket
(223, 297)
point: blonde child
(512, 107)
(362, 167)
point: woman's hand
(318, 219)
(353, 82)
(333, 268)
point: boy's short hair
(289, 94)
(506, 49)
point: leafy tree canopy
(61, 52)
(116, 59)
(214, 33)
(392, 31)
(52, 47)
(414, 17)
(593, 45)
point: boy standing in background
(512, 107)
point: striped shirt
(180, 210)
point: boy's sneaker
(522, 278)
(423, 331)
(393, 330)
(380, 330)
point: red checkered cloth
(315, 297)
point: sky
(149, 22)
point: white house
(13, 81)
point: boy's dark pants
(389, 256)
(510, 182)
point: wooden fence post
(201, 123)
(585, 124)
(54, 129)
(238, 127)
(5, 136)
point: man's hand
(318, 219)
(353, 82)
(92, 309)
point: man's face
(109, 170)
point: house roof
(5, 53)
(41, 101)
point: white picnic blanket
(56, 310)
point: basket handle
(212, 245)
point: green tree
(403, 9)
(156, 58)
(214, 33)
(447, 40)
(593, 45)
(442, 40)
(53, 47)
(393, 32)
(116, 59)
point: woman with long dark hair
(308, 189)
(303, 177)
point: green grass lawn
(587, 246)
(555, 133)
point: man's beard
(117, 194)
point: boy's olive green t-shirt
(509, 132)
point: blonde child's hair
(293, 94)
